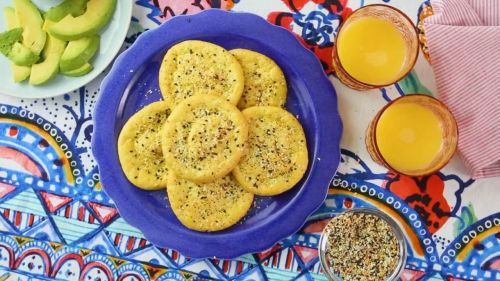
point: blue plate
(133, 83)
(112, 37)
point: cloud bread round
(139, 147)
(265, 84)
(196, 67)
(277, 154)
(204, 138)
(210, 206)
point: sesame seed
(361, 247)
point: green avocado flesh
(68, 7)
(86, 68)
(46, 70)
(47, 24)
(22, 56)
(97, 15)
(79, 52)
(31, 21)
(10, 18)
(19, 73)
(15, 51)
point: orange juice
(409, 136)
(372, 51)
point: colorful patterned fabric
(57, 223)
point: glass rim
(379, 154)
(396, 229)
(412, 64)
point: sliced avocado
(84, 69)
(15, 51)
(97, 15)
(30, 19)
(46, 70)
(10, 18)
(79, 52)
(47, 24)
(19, 73)
(22, 56)
(68, 7)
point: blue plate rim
(322, 170)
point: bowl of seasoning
(362, 244)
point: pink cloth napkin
(464, 44)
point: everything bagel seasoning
(361, 247)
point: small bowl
(398, 233)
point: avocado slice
(20, 73)
(47, 24)
(79, 52)
(68, 7)
(15, 51)
(46, 70)
(30, 19)
(22, 56)
(10, 18)
(84, 69)
(97, 15)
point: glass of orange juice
(376, 46)
(414, 135)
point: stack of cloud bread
(219, 137)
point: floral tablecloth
(57, 223)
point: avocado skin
(72, 28)
(68, 7)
